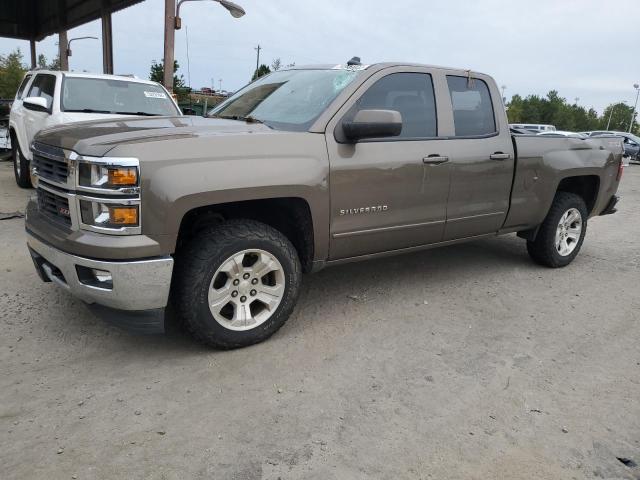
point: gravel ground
(462, 362)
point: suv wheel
(236, 284)
(20, 165)
(561, 234)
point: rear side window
(23, 85)
(43, 86)
(472, 107)
(411, 94)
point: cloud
(582, 48)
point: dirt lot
(462, 362)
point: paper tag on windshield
(155, 95)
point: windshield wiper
(248, 118)
(87, 110)
(142, 114)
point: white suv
(47, 98)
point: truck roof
(376, 66)
(91, 75)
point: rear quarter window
(473, 114)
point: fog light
(102, 275)
(95, 277)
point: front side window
(105, 95)
(472, 107)
(411, 94)
(43, 86)
(23, 85)
(287, 100)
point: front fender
(184, 174)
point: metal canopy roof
(37, 19)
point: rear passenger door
(482, 159)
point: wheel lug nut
(234, 294)
(253, 293)
(236, 282)
(245, 276)
(254, 281)
(243, 298)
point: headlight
(107, 176)
(108, 215)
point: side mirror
(373, 124)
(37, 104)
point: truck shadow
(482, 258)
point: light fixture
(234, 9)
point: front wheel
(236, 284)
(562, 232)
(20, 165)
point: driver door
(389, 193)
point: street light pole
(234, 9)
(633, 114)
(172, 22)
(74, 39)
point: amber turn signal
(123, 176)
(123, 215)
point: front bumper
(135, 285)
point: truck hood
(97, 138)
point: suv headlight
(107, 176)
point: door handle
(435, 160)
(499, 156)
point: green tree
(12, 72)
(620, 114)
(157, 74)
(260, 71)
(53, 65)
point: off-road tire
(197, 262)
(20, 165)
(543, 249)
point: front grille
(54, 206)
(54, 170)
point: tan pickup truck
(301, 169)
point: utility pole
(169, 42)
(220, 83)
(63, 50)
(257, 49)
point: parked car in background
(631, 143)
(534, 127)
(49, 98)
(562, 133)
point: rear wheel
(561, 234)
(236, 284)
(20, 165)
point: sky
(586, 49)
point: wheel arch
(289, 215)
(585, 186)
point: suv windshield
(105, 95)
(286, 100)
